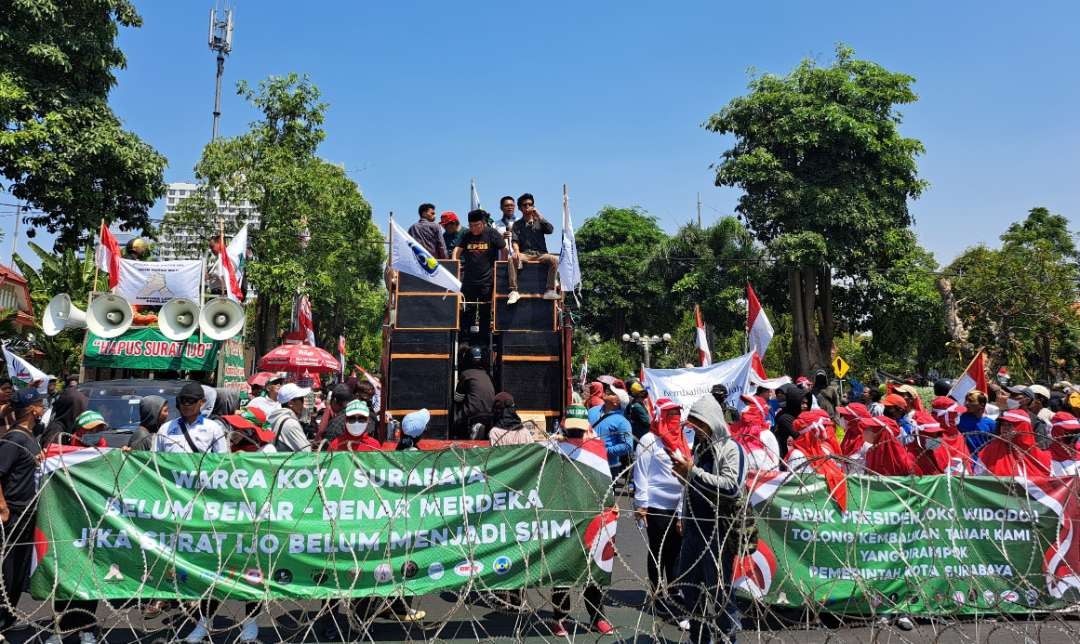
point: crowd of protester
(684, 471)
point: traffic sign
(839, 367)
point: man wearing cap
(478, 249)
(89, 422)
(451, 230)
(529, 243)
(610, 424)
(191, 432)
(273, 386)
(355, 436)
(637, 413)
(285, 422)
(896, 408)
(715, 478)
(428, 233)
(332, 423)
(19, 452)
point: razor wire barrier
(325, 546)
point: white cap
(1040, 390)
(291, 391)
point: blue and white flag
(569, 271)
(23, 372)
(408, 256)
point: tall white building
(178, 243)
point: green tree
(1019, 301)
(315, 234)
(62, 150)
(825, 173)
(621, 294)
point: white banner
(155, 283)
(685, 386)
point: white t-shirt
(765, 459)
(655, 485)
(207, 435)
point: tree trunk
(809, 304)
(799, 357)
(266, 326)
(953, 324)
(828, 325)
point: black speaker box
(531, 313)
(416, 383)
(535, 385)
(530, 343)
(411, 284)
(431, 312)
(532, 278)
(405, 341)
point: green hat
(89, 420)
(357, 408)
(577, 417)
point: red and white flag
(702, 340)
(231, 264)
(974, 377)
(758, 329)
(304, 321)
(341, 353)
(107, 257)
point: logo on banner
(427, 263)
(436, 571)
(501, 565)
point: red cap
(894, 400)
(238, 422)
(449, 217)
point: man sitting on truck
(530, 245)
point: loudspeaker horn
(178, 319)
(109, 316)
(61, 314)
(221, 319)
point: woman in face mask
(934, 451)
(1064, 454)
(810, 451)
(885, 456)
(1013, 451)
(853, 447)
(355, 438)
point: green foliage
(315, 235)
(62, 149)
(67, 272)
(1020, 301)
(611, 357)
(614, 249)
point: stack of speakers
(528, 343)
(423, 340)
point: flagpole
(97, 247)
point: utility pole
(699, 210)
(220, 40)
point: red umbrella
(299, 357)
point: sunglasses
(187, 401)
(356, 419)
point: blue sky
(609, 97)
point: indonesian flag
(107, 257)
(758, 329)
(304, 321)
(341, 353)
(702, 341)
(231, 266)
(974, 378)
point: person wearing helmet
(475, 397)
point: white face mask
(1013, 403)
(356, 429)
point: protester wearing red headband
(850, 415)
(753, 433)
(1064, 451)
(810, 452)
(935, 450)
(886, 456)
(1013, 451)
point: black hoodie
(785, 420)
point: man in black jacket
(475, 396)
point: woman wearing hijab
(886, 456)
(796, 401)
(594, 395)
(853, 447)
(507, 428)
(1064, 453)
(753, 433)
(1013, 451)
(935, 452)
(153, 411)
(810, 452)
(65, 410)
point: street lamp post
(645, 342)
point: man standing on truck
(478, 250)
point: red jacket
(349, 443)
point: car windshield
(120, 406)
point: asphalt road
(627, 605)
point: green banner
(233, 375)
(916, 545)
(147, 348)
(320, 525)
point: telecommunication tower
(220, 40)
